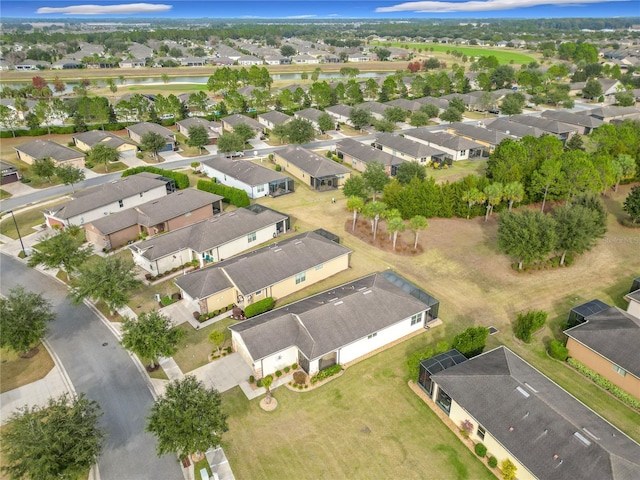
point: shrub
(252, 379)
(480, 449)
(606, 384)
(259, 307)
(508, 470)
(139, 155)
(228, 349)
(232, 195)
(558, 350)
(300, 378)
(528, 323)
(278, 168)
(413, 362)
(471, 342)
(278, 373)
(202, 318)
(466, 427)
(493, 462)
(326, 373)
(181, 179)
(286, 369)
(294, 366)
(259, 383)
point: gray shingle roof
(315, 165)
(366, 153)
(443, 139)
(94, 137)
(311, 114)
(196, 121)
(107, 193)
(157, 211)
(329, 320)
(269, 265)
(341, 110)
(539, 422)
(492, 137)
(572, 118)
(275, 117)
(514, 128)
(374, 107)
(406, 146)
(245, 171)
(410, 105)
(441, 103)
(46, 148)
(208, 234)
(237, 119)
(546, 124)
(144, 127)
(614, 334)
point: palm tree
(355, 205)
(395, 225)
(513, 192)
(493, 194)
(416, 224)
(373, 210)
(267, 382)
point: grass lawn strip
(16, 372)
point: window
(417, 318)
(301, 277)
(120, 203)
(259, 292)
(260, 188)
(463, 153)
(443, 400)
(481, 432)
(373, 335)
(619, 370)
(319, 267)
(251, 237)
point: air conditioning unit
(156, 297)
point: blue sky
(318, 9)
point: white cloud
(480, 5)
(294, 17)
(127, 9)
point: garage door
(10, 178)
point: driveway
(224, 374)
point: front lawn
(458, 170)
(4, 194)
(112, 167)
(365, 424)
(195, 347)
(26, 220)
(16, 372)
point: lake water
(195, 79)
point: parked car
(235, 154)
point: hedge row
(326, 373)
(59, 130)
(606, 384)
(181, 179)
(259, 307)
(232, 195)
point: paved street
(98, 366)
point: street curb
(58, 363)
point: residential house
(213, 129)
(248, 60)
(97, 202)
(229, 52)
(455, 147)
(520, 415)
(305, 59)
(358, 57)
(232, 120)
(441, 103)
(482, 135)
(607, 343)
(191, 61)
(376, 109)
(585, 124)
(137, 131)
(340, 113)
(272, 119)
(314, 170)
(607, 114)
(11, 104)
(133, 63)
(87, 140)
(10, 173)
(276, 59)
(409, 105)
(66, 64)
(359, 155)
(157, 216)
(273, 271)
(513, 129)
(256, 180)
(34, 150)
(139, 51)
(311, 115)
(561, 130)
(212, 240)
(408, 149)
(337, 326)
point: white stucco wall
(234, 182)
(129, 202)
(634, 308)
(241, 244)
(383, 337)
(279, 360)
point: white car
(235, 154)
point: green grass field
(505, 55)
(365, 424)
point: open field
(16, 371)
(365, 424)
(504, 55)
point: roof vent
(523, 392)
(582, 438)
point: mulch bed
(382, 241)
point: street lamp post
(18, 230)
